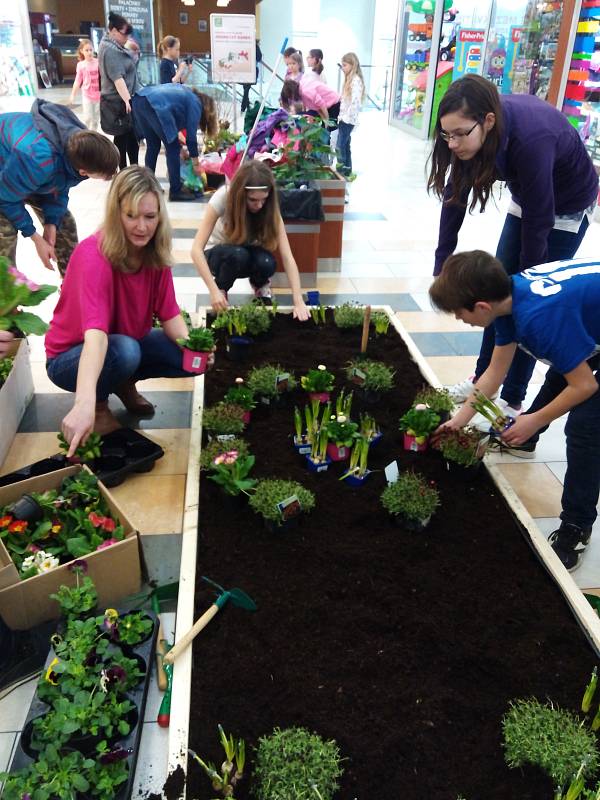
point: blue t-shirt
(555, 313)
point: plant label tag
(290, 507)
(323, 468)
(391, 472)
(196, 362)
(266, 401)
(281, 382)
(482, 447)
(357, 376)
(225, 437)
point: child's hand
(185, 154)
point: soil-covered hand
(78, 424)
(522, 429)
(301, 312)
(218, 301)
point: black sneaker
(525, 450)
(569, 543)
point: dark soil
(404, 648)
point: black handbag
(114, 118)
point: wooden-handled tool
(161, 647)
(365, 331)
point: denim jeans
(344, 156)
(582, 479)
(154, 356)
(228, 262)
(148, 124)
(562, 245)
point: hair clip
(254, 188)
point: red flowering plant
(17, 290)
(464, 446)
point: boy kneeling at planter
(551, 311)
(101, 339)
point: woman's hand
(218, 301)
(78, 424)
(6, 343)
(300, 311)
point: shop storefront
(514, 43)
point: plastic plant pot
(322, 397)
(47, 465)
(317, 466)
(313, 298)
(302, 446)
(369, 397)
(357, 480)
(108, 464)
(494, 432)
(238, 348)
(462, 470)
(26, 509)
(285, 526)
(375, 439)
(413, 444)
(336, 453)
(247, 417)
(194, 361)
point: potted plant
(237, 343)
(463, 449)
(17, 290)
(381, 322)
(410, 501)
(318, 314)
(216, 447)
(358, 472)
(242, 396)
(341, 433)
(232, 769)
(231, 470)
(369, 429)
(348, 315)
(271, 383)
(197, 348)
(85, 452)
(438, 399)
(372, 378)
(223, 420)
(318, 383)
(54, 775)
(318, 460)
(499, 421)
(256, 316)
(278, 501)
(301, 442)
(418, 422)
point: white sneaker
(463, 389)
(510, 411)
(263, 292)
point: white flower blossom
(322, 367)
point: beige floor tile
(537, 487)
(27, 448)
(183, 256)
(430, 321)
(183, 222)
(175, 443)
(357, 246)
(166, 385)
(361, 270)
(401, 244)
(395, 285)
(154, 503)
(451, 369)
(333, 285)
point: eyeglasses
(447, 137)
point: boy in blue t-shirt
(552, 312)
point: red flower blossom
(95, 519)
(18, 526)
(5, 521)
(109, 524)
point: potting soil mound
(405, 648)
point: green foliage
(269, 492)
(488, 409)
(223, 139)
(357, 465)
(307, 161)
(230, 320)
(419, 421)
(133, 628)
(85, 452)
(242, 396)
(349, 315)
(378, 376)
(256, 317)
(6, 364)
(200, 340)
(231, 470)
(294, 764)
(17, 290)
(263, 380)
(342, 431)
(318, 380)
(223, 418)
(318, 314)
(232, 769)
(78, 599)
(549, 737)
(217, 448)
(411, 496)
(381, 322)
(54, 775)
(459, 446)
(437, 399)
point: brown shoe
(105, 421)
(133, 400)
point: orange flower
(5, 521)
(56, 527)
(18, 526)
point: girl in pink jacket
(87, 76)
(318, 98)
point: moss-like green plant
(348, 315)
(256, 317)
(437, 399)
(223, 418)
(549, 737)
(6, 364)
(378, 377)
(410, 496)
(294, 764)
(262, 381)
(269, 492)
(460, 446)
(381, 322)
(217, 448)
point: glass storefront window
(413, 62)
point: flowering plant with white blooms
(318, 380)
(341, 430)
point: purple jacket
(547, 169)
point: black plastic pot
(26, 509)
(466, 472)
(47, 465)
(238, 348)
(369, 397)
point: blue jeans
(228, 262)
(154, 356)
(562, 245)
(344, 156)
(148, 125)
(582, 479)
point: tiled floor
(389, 239)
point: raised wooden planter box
(304, 238)
(15, 396)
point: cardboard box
(15, 396)
(115, 570)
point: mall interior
(411, 51)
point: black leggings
(228, 262)
(127, 145)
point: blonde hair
(355, 70)
(242, 226)
(82, 44)
(165, 44)
(125, 193)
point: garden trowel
(235, 596)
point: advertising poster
(468, 59)
(17, 73)
(233, 48)
(512, 50)
(139, 14)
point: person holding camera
(171, 71)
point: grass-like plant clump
(378, 376)
(437, 399)
(223, 419)
(262, 381)
(348, 315)
(410, 496)
(294, 764)
(269, 492)
(549, 737)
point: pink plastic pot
(246, 417)
(410, 443)
(194, 362)
(336, 453)
(322, 397)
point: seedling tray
(123, 452)
(144, 652)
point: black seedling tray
(122, 452)
(145, 653)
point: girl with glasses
(482, 137)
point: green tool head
(237, 597)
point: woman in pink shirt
(87, 76)
(101, 339)
(318, 98)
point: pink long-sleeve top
(88, 77)
(96, 296)
(316, 95)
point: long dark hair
(317, 54)
(241, 226)
(119, 22)
(474, 97)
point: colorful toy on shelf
(420, 32)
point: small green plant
(232, 769)
(550, 737)
(79, 599)
(263, 382)
(318, 314)
(241, 395)
(378, 376)
(230, 320)
(217, 447)
(368, 427)
(223, 419)
(231, 471)
(17, 290)
(6, 364)
(348, 315)
(294, 764)
(318, 444)
(269, 492)
(488, 409)
(358, 459)
(200, 340)
(318, 380)
(130, 628)
(343, 404)
(85, 452)
(381, 322)
(460, 446)
(419, 421)
(411, 496)
(256, 317)
(438, 399)
(590, 691)
(54, 775)
(341, 431)
(305, 151)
